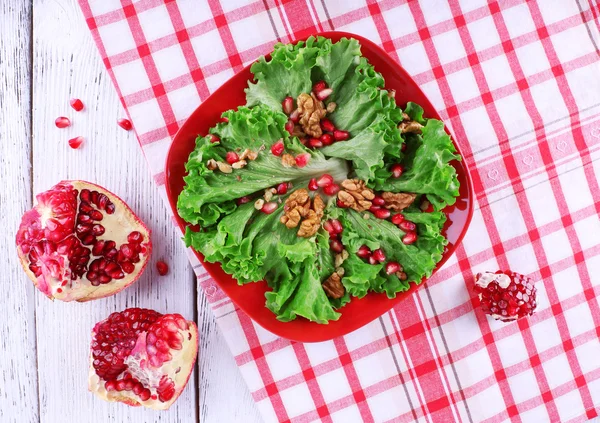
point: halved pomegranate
(141, 357)
(81, 242)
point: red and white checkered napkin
(519, 85)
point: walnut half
(333, 286)
(356, 195)
(409, 125)
(311, 112)
(398, 200)
(299, 208)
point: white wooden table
(47, 56)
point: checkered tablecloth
(518, 83)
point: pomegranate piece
(392, 267)
(269, 208)
(397, 219)
(407, 225)
(141, 357)
(288, 105)
(243, 200)
(277, 148)
(282, 188)
(323, 94)
(312, 184)
(409, 238)
(378, 201)
(214, 138)
(76, 142)
(289, 126)
(315, 143)
(397, 170)
(325, 180)
(327, 125)
(506, 296)
(364, 252)
(81, 242)
(302, 159)
(331, 190)
(336, 246)
(382, 213)
(319, 86)
(162, 267)
(379, 255)
(125, 124)
(340, 204)
(76, 104)
(231, 157)
(403, 147)
(62, 122)
(326, 139)
(341, 135)
(295, 116)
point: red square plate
(251, 297)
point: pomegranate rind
(185, 359)
(81, 290)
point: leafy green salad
(320, 185)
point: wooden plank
(65, 65)
(18, 375)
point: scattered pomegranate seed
(379, 255)
(319, 86)
(162, 267)
(243, 200)
(403, 147)
(372, 260)
(302, 159)
(327, 125)
(269, 208)
(312, 184)
(397, 219)
(76, 104)
(282, 188)
(62, 122)
(224, 119)
(407, 226)
(392, 267)
(397, 170)
(336, 245)
(323, 94)
(374, 208)
(326, 139)
(337, 226)
(295, 116)
(409, 238)
(315, 143)
(289, 126)
(328, 226)
(76, 142)
(231, 157)
(339, 135)
(288, 105)
(340, 204)
(277, 148)
(214, 138)
(378, 200)
(364, 252)
(331, 190)
(506, 296)
(325, 180)
(382, 213)
(125, 124)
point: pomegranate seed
(378, 201)
(231, 157)
(302, 159)
(340, 204)
(224, 119)
(397, 219)
(312, 184)
(373, 260)
(323, 94)
(336, 245)
(76, 142)
(379, 255)
(403, 147)
(328, 226)
(269, 208)
(374, 208)
(62, 122)
(315, 143)
(243, 200)
(277, 148)
(162, 267)
(326, 139)
(125, 124)
(337, 226)
(289, 126)
(341, 135)
(382, 213)
(127, 267)
(397, 170)
(319, 86)
(135, 237)
(364, 252)
(288, 105)
(407, 226)
(76, 104)
(214, 138)
(295, 116)
(282, 188)
(392, 267)
(327, 125)
(409, 238)
(325, 180)
(331, 190)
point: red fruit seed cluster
(334, 228)
(326, 183)
(506, 296)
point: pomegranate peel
(81, 242)
(142, 358)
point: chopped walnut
(356, 195)
(298, 208)
(409, 125)
(401, 275)
(425, 204)
(239, 164)
(398, 200)
(331, 107)
(224, 167)
(248, 154)
(333, 286)
(340, 258)
(298, 132)
(287, 160)
(211, 164)
(258, 204)
(311, 112)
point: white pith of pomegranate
(81, 242)
(141, 357)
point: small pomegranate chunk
(289, 126)
(392, 267)
(374, 208)
(323, 94)
(76, 104)
(277, 148)
(214, 138)
(403, 147)
(327, 125)
(312, 184)
(364, 252)
(382, 213)
(331, 190)
(379, 255)
(232, 157)
(337, 226)
(407, 225)
(125, 124)
(339, 135)
(315, 143)
(302, 159)
(282, 188)
(340, 204)
(65, 247)
(76, 142)
(62, 122)
(326, 139)
(325, 180)
(288, 105)
(141, 357)
(319, 86)
(409, 238)
(162, 267)
(295, 116)
(378, 201)
(336, 246)
(243, 200)
(269, 208)
(506, 296)
(397, 170)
